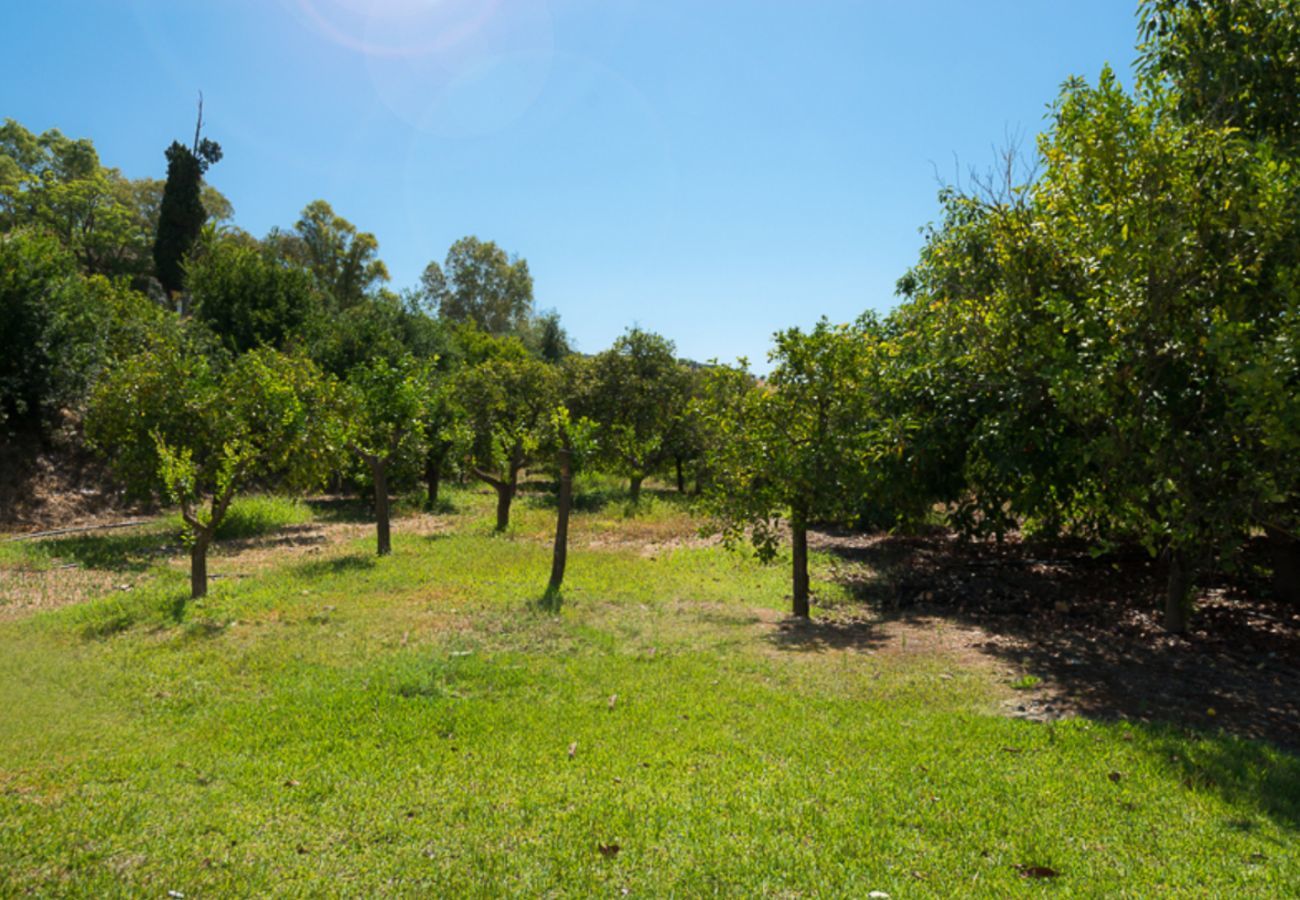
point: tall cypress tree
(181, 213)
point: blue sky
(712, 170)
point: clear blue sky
(710, 169)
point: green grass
(346, 725)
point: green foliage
(53, 184)
(637, 393)
(481, 283)
(35, 273)
(507, 401)
(343, 262)
(248, 299)
(60, 329)
(1109, 350)
(1231, 63)
(384, 407)
(175, 424)
(797, 447)
(379, 327)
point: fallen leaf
(608, 850)
(573, 749)
(878, 895)
(1115, 777)
(1037, 872)
(613, 698)
(291, 783)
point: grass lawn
(329, 723)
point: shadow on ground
(339, 565)
(1090, 628)
(128, 550)
(822, 635)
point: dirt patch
(1089, 629)
(55, 483)
(27, 591)
(83, 575)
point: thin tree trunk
(505, 493)
(634, 488)
(561, 553)
(1177, 591)
(681, 477)
(799, 546)
(433, 476)
(1286, 566)
(199, 567)
(382, 529)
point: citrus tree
(638, 394)
(175, 423)
(383, 408)
(796, 448)
(507, 401)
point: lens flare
(400, 28)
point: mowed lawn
(328, 723)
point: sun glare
(400, 28)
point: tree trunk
(433, 476)
(799, 546)
(634, 488)
(380, 472)
(1286, 566)
(505, 493)
(681, 477)
(1177, 592)
(199, 567)
(565, 502)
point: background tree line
(1104, 344)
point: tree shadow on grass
(1244, 773)
(444, 507)
(823, 635)
(589, 501)
(113, 552)
(342, 510)
(551, 601)
(1090, 628)
(598, 498)
(339, 565)
(304, 535)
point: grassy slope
(346, 725)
